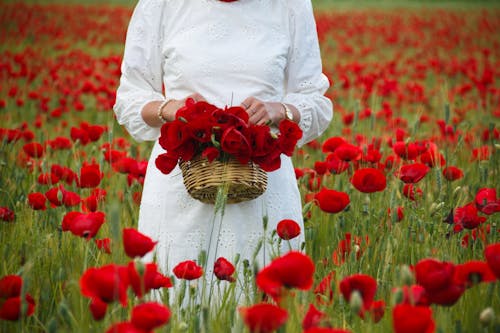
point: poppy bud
(406, 275)
(356, 301)
(397, 296)
(487, 316)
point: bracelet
(160, 110)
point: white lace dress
(226, 51)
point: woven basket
(203, 179)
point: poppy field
(400, 197)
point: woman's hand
(262, 113)
(150, 111)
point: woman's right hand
(149, 112)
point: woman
(260, 54)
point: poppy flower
(10, 286)
(330, 144)
(34, 149)
(412, 319)
(290, 133)
(368, 180)
(332, 201)
(188, 270)
(166, 162)
(136, 244)
(312, 318)
(103, 244)
(98, 308)
(413, 173)
(335, 165)
(347, 152)
(364, 284)
(492, 256)
(223, 269)
(150, 278)
(473, 272)
(287, 229)
(325, 288)
(124, 327)
(433, 274)
(83, 225)
(396, 216)
(466, 217)
(6, 214)
(148, 316)
(37, 201)
(452, 173)
(376, 311)
(412, 192)
(47, 179)
(415, 295)
(90, 175)
(486, 201)
(263, 317)
(407, 151)
(109, 283)
(12, 308)
(292, 270)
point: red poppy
(98, 308)
(432, 158)
(287, 229)
(447, 296)
(188, 270)
(37, 201)
(292, 270)
(325, 288)
(7, 214)
(34, 149)
(312, 318)
(433, 274)
(452, 173)
(109, 283)
(166, 162)
(412, 192)
(415, 295)
(60, 143)
(136, 244)
(466, 217)
(210, 153)
(263, 317)
(148, 316)
(48, 179)
(90, 175)
(103, 245)
(223, 269)
(486, 201)
(412, 319)
(347, 152)
(473, 272)
(407, 151)
(10, 286)
(290, 133)
(12, 308)
(376, 311)
(331, 201)
(492, 256)
(368, 180)
(413, 173)
(83, 225)
(148, 279)
(235, 143)
(364, 284)
(335, 165)
(330, 144)
(396, 216)
(124, 327)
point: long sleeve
(305, 82)
(141, 78)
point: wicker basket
(203, 179)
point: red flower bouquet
(201, 131)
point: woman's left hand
(262, 113)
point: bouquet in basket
(202, 129)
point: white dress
(226, 51)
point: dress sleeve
(141, 70)
(305, 81)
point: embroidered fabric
(226, 51)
